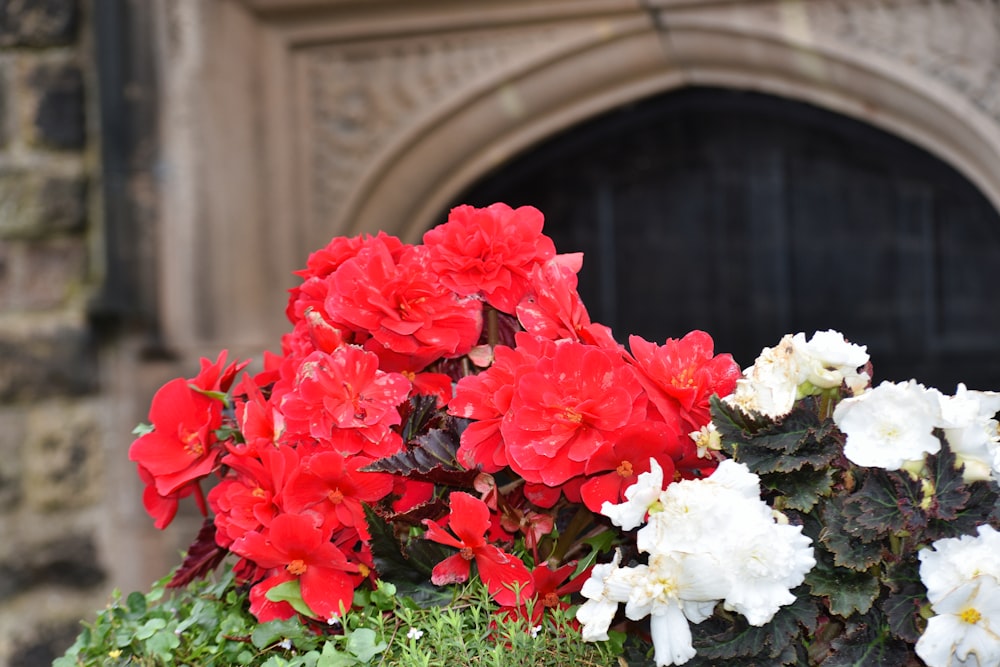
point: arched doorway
(750, 216)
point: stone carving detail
(956, 42)
(362, 97)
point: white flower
(414, 633)
(770, 386)
(954, 561)
(708, 540)
(672, 590)
(966, 630)
(797, 367)
(643, 493)
(535, 630)
(962, 576)
(827, 361)
(604, 589)
(971, 431)
(765, 563)
(707, 439)
(889, 425)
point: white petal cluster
(972, 432)
(797, 367)
(962, 576)
(892, 427)
(707, 541)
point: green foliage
(208, 624)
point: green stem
(568, 537)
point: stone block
(57, 117)
(62, 457)
(38, 23)
(33, 205)
(41, 275)
(46, 643)
(65, 561)
(46, 364)
(11, 451)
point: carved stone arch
(805, 53)
(286, 122)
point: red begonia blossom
(489, 251)
(302, 547)
(251, 495)
(551, 586)
(681, 375)
(627, 458)
(553, 309)
(572, 405)
(344, 401)
(412, 318)
(337, 485)
(265, 610)
(180, 448)
(501, 572)
(485, 399)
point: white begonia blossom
(769, 561)
(962, 576)
(642, 494)
(953, 561)
(708, 540)
(607, 586)
(967, 419)
(890, 425)
(798, 367)
(827, 361)
(966, 630)
(770, 386)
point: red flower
(485, 399)
(489, 251)
(681, 375)
(343, 400)
(337, 485)
(550, 587)
(500, 571)
(180, 448)
(569, 408)
(627, 458)
(296, 543)
(553, 309)
(412, 318)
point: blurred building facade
(166, 164)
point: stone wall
(51, 467)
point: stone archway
(319, 118)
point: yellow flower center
(336, 496)
(971, 616)
(297, 567)
(625, 469)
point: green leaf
(847, 591)
(852, 546)
(728, 637)
(800, 490)
(163, 644)
(887, 502)
(290, 592)
(362, 643)
(272, 632)
(600, 543)
(150, 628)
(867, 643)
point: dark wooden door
(750, 216)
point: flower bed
(449, 463)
